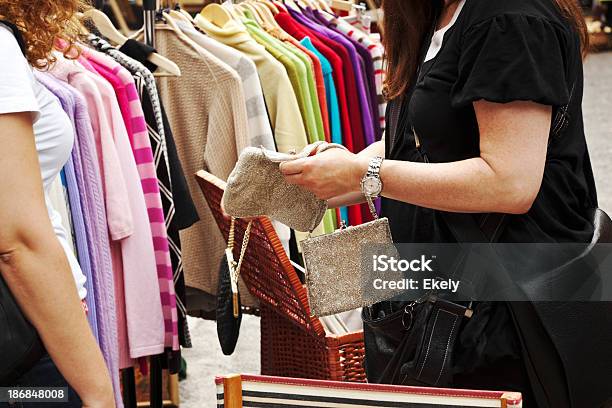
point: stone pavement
(597, 107)
(205, 360)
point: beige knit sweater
(207, 111)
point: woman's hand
(329, 174)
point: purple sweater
(95, 226)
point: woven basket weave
(293, 343)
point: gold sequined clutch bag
(334, 266)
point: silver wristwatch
(371, 184)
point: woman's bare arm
(505, 178)
(35, 267)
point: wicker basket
(293, 343)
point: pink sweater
(141, 329)
(131, 109)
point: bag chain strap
(234, 266)
(371, 206)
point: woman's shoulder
(10, 47)
(515, 50)
(16, 77)
(480, 12)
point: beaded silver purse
(256, 187)
(334, 266)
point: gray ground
(205, 360)
(597, 106)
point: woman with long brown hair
(475, 87)
(42, 274)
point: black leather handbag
(228, 324)
(412, 343)
(229, 308)
(20, 345)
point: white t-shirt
(53, 131)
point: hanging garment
(141, 149)
(330, 92)
(179, 210)
(353, 72)
(135, 264)
(283, 108)
(265, 19)
(137, 299)
(319, 82)
(260, 131)
(88, 175)
(299, 32)
(58, 200)
(367, 70)
(207, 112)
(334, 112)
(306, 76)
(376, 51)
(75, 222)
(116, 256)
(297, 75)
(120, 223)
(82, 246)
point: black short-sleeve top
(499, 51)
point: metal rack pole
(149, 8)
(129, 388)
(156, 383)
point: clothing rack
(149, 9)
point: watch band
(374, 167)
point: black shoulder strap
(17, 34)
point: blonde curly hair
(42, 23)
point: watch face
(372, 186)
